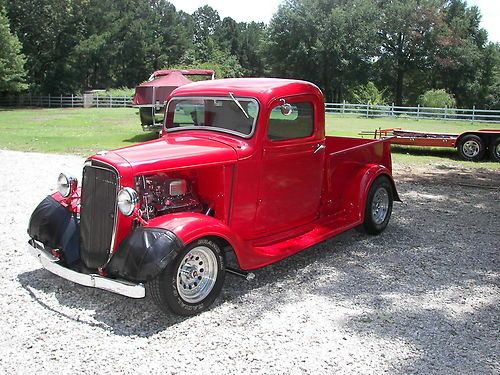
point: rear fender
(360, 186)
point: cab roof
(263, 89)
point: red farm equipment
(150, 96)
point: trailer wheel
(471, 147)
(495, 149)
(378, 207)
(192, 282)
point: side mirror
(286, 109)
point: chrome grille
(97, 214)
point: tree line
(375, 50)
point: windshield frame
(212, 128)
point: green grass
(348, 126)
(76, 131)
(86, 131)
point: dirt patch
(446, 174)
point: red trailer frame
(471, 145)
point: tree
(12, 73)
(368, 94)
(252, 48)
(206, 21)
(460, 54)
(224, 64)
(327, 42)
(490, 76)
(405, 37)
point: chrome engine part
(161, 194)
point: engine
(161, 194)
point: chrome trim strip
(51, 263)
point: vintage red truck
(241, 177)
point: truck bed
(347, 162)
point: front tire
(471, 148)
(192, 282)
(378, 206)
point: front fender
(190, 226)
(144, 254)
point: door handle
(319, 147)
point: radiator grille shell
(97, 214)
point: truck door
(292, 167)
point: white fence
(417, 113)
(361, 110)
(66, 101)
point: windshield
(231, 115)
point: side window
(299, 123)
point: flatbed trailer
(471, 145)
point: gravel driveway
(420, 298)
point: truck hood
(170, 153)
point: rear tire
(495, 149)
(192, 282)
(378, 206)
(471, 147)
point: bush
(438, 99)
(119, 92)
(368, 94)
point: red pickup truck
(242, 176)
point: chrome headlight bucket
(128, 200)
(66, 185)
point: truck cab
(241, 177)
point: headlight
(127, 199)
(66, 185)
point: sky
(263, 10)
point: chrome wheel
(197, 274)
(380, 205)
(497, 151)
(471, 148)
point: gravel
(422, 298)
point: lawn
(77, 131)
(86, 131)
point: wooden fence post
(473, 113)
(49, 100)
(418, 111)
(367, 109)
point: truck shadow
(143, 137)
(426, 286)
(440, 152)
